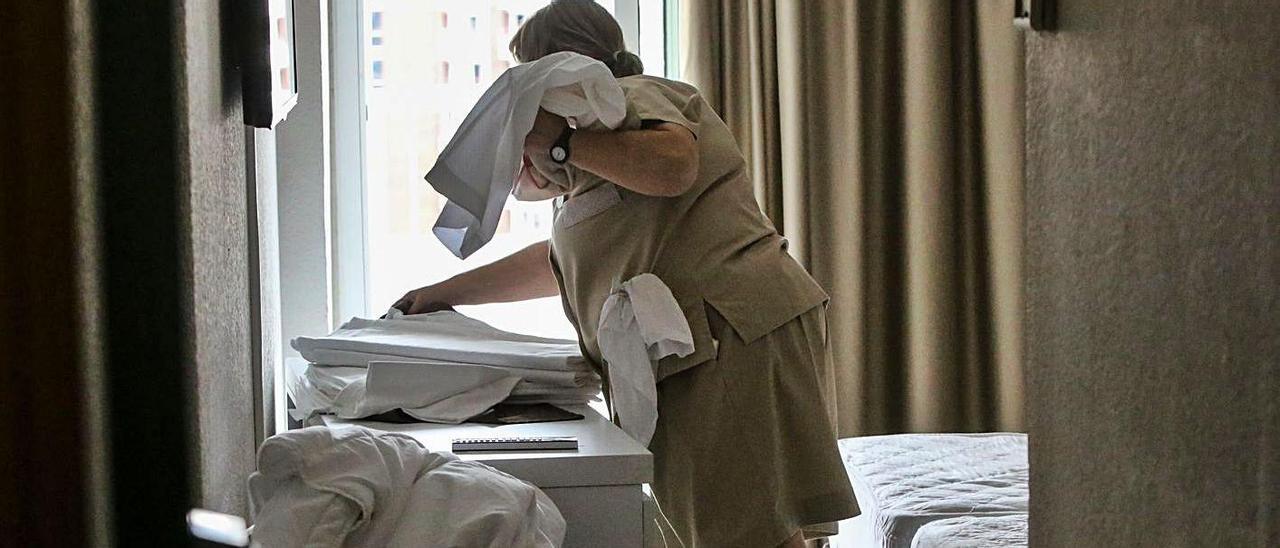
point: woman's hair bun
(624, 63)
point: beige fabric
(884, 140)
(745, 453)
(710, 245)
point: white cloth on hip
(351, 486)
(640, 323)
(478, 167)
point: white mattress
(906, 481)
(976, 531)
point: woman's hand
(532, 186)
(525, 274)
(547, 127)
(423, 300)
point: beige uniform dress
(745, 448)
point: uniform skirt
(745, 449)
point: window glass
(413, 111)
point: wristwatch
(560, 149)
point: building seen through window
(412, 112)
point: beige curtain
(884, 139)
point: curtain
(884, 139)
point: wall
(217, 259)
(302, 141)
(123, 272)
(43, 460)
(264, 284)
(1153, 274)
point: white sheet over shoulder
(478, 166)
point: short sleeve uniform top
(711, 245)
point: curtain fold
(884, 139)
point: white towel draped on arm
(478, 167)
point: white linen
(640, 324)
(477, 168)
(430, 392)
(905, 481)
(1003, 531)
(344, 358)
(446, 336)
(351, 486)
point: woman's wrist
(448, 292)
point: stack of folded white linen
(437, 367)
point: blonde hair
(580, 26)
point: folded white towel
(361, 360)
(430, 392)
(478, 166)
(449, 337)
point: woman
(744, 451)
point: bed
(941, 487)
(974, 531)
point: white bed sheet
(906, 481)
(977, 531)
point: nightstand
(597, 488)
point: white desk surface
(605, 455)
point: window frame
(349, 114)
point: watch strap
(560, 151)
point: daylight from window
(426, 63)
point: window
(406, 121)
(376, 40)
(377, 20)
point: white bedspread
(906, 481)
(1003, 531)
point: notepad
(526, 443)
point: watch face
(558, 153)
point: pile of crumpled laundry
(439, 367)
(351, 486)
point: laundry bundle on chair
(352, 486)
(437, 367)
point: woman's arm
(661, 160)
(525, 274)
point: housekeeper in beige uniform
(745, 448)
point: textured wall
(1153, 273)
(222, 380)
